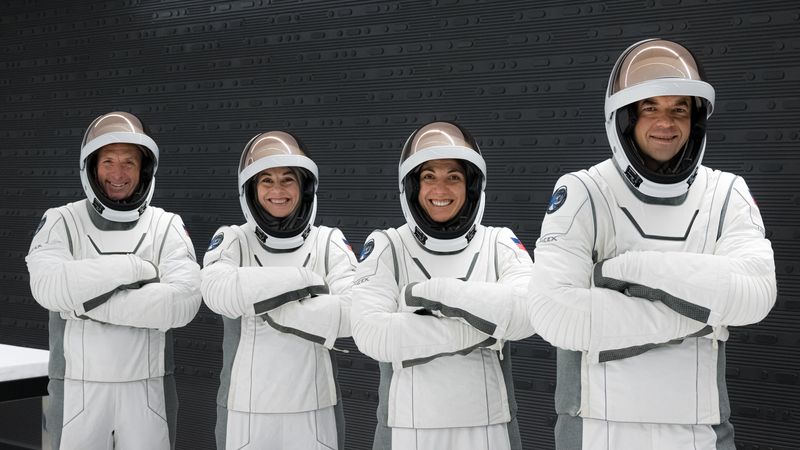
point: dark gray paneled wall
(353, 79)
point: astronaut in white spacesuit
(434, 302)
(116, 274)
(643, 262)
(280, 284)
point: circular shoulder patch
(366, 250)
(215, 241)
(557, 199)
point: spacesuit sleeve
(403, 338)
(495, 308)
(323, 318)
(170, 302)
(235, 291)
(61, 283)
(566, 310)
(734, 286)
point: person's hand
(147, 270)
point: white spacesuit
(642, 263)
(433, 303)
(117, 275)
(280, 285)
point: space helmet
(266, 151)
(652, 68)
(118, 128)
(442, 140)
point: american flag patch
(518, 243)
(347, 244)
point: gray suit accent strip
(628, 352)
(383, 434)
(327, 252)
(221, 427)
(171, 407)
(57, 365)
(514, 437)
(415, 362)
(100, 299)
(656, 237)
(338, 408)
(274, 302)
(724, 432)
(724, 209)
(680, 306)
(722, 385)
(138, 244)
(230, 345)
(568, 388)
(421, 267)
(569, 432)
(475, 260)
(482, 325)
(394, 255)
(54, 416)
(594, 214)
(69, 236)
(169, 353)
(163, 241)
(289, 330)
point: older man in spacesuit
(116, 274)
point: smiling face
(662, 127)
(442, 189)
(278, 191)
(119, 167)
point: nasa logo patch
(366, 250)
(215, 241)
(557, 199)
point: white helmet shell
(115, 128)
(652, 68)
(442, 140)
(267, 151)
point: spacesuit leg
(492, 437)
(603, 435)
(310, 430)
(141, 420)
(87, 416)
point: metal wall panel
(353, 79)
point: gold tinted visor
(437, 134)
(115, 122)
(270, 144)
(652, 60)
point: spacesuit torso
(661, 281)
(272, 363)
(437, 373)
(686, 380)
(461, 390)
(103, 334)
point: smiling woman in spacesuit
(278, 281)
(435, 300)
